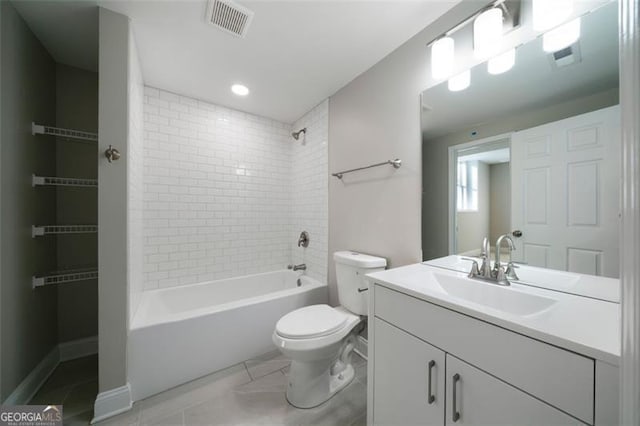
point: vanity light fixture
(502, 63)
(548, 14)
(460, 81)
(442, 56)
(240, 89)
(563, 36)
(487, 33)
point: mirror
(532, 153)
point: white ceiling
(296, 52)
(494, 156)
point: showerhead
(296, 135)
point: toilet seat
(330, 336)
(311, 322)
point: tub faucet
(300, 267)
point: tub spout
(300, 267)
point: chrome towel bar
(395, 163)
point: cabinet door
(408, 379)
(476, 398)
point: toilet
(319, 339)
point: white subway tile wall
(309, 192)
(217, 193)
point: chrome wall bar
(395, 163)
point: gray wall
(112, 200)
(77, 108)
(374, 118)
(500, 200)
(1, 138)
(28, 317)
(435, 161)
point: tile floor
(249, 393)
(74, 384)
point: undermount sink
(506, 299)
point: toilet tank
(351, 268)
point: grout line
(247, 370)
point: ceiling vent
(229, 16)
(565, 57)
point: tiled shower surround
(225, 192)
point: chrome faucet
(485, 255)
(510, 273)
(300, 267)
(498, 274)
(303, 240)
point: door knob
(112, 154)
(517, 233)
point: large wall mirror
(533, 152)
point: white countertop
(587, 326)
(567, 282)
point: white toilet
(319, 339)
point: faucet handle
(475, 271)
(511, 272)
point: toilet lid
(310, 321)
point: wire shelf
(61, 277)
(61, 181)
(40, 231)
(38, 129)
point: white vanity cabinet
(477, 398)
(410, 379)
(499, 377)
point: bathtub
(182, 333)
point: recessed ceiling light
(240, 90)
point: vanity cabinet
(498, 376)
(410, 379)
(477, 398)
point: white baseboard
(66, 351)
(78, 348)
(111, 403)
(23, 393)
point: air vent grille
(565, 57)
(229, 16)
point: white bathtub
(182, 333)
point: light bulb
(502, 63)
(561, 37)
(442, 56)
(460, 81)
(240, 89)
(487, 33)
(550, 13)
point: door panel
(565, 197)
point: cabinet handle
(431, 397)
(455, 415)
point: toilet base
(309, 392)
